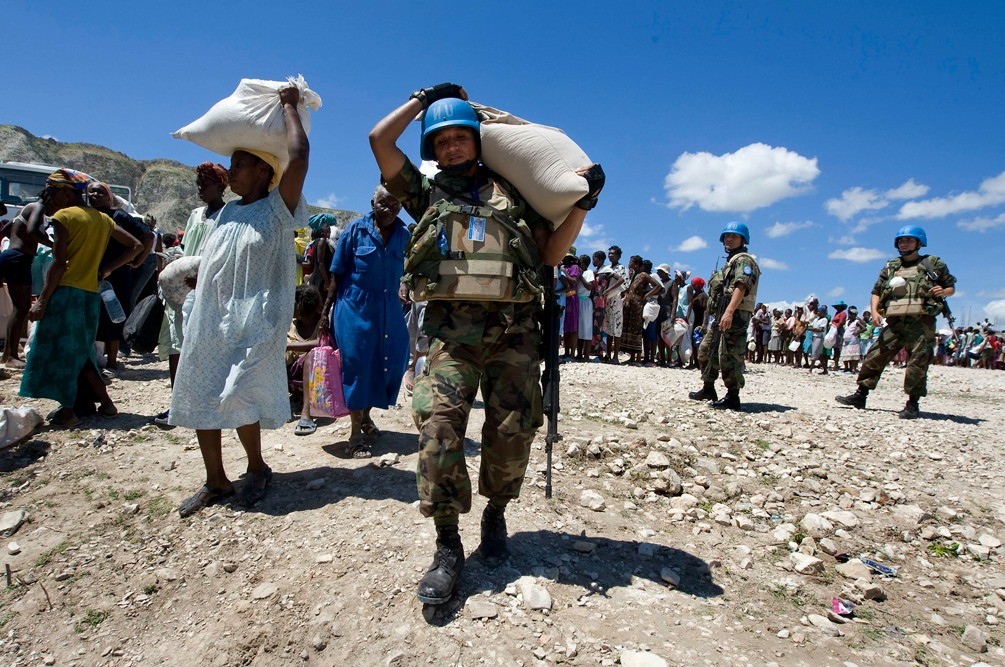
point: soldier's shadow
(755, 408)
(611, 568)
(938, 416)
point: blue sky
(823, 126)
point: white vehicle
(20, 183)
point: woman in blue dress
(368, 321)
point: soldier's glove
(440, 91)
(595, 180)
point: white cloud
(855, 200)
(331, 201)
(981, 224)
(909, 190)
(991, 192)
(995, 310)
(49, 136)
(646, 248)
(691, 244)
(592, 238)
(847, 239)
(835, 293)
(859, 255)
(773, 264)
(994, 294)
(753, 177)
(866, 222)
(429, 168)
(780, 229)
(681, 266)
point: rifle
(550, 375)
(933, 277)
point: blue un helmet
(737, 228)
(448, 112)
(914, 232)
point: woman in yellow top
(60, 364)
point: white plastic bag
(650, 312)
(251, 117)
(540, 161)
(17, 424)
(830, 340)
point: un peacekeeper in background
(911, 292)
(483, 327)
(736, 296)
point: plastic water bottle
(112, 305)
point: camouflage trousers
(507, 367)
(728, 358)
(917, 334)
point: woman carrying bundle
(231, 372)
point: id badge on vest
(476, 229)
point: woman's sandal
(359, 447)
(108, 413)
(370, 430)
(305, 427)
(252, 492)
(202, 499)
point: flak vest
(465, 250)
(750, 298)
(911, 299)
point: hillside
(165, 188)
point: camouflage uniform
(492, 345)
(916, 333)
(705, 356)
(728, 358)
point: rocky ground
(677, 535)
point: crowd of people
(253, 285)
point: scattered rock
(592, 500)
(975, 639)
(658, 460)
(389, 459)
(482, 609)
(10, 522)
(804, 564)
(316, 484)
(13, 548)
(641, 659)
(824, 624)
(264, 591)
(816, 525)
(854, 569)
(671, 577)
(534, 595)
(843, 517)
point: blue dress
(368, 319)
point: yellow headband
(269, 159)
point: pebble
(804, 564)
(264, 591)
(671, 577)
(324, 558)
(584, 547)
(975, 639)
(482, 609)
(816, 525)
(316, 484)
(824, 624)
(534, 595)
(657, 459)
(389, 459)
(641, 659)
(989, 541)
(592, 500)
(10, 522)
(13, 548)
(843, 517)
(854, 569)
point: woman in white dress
(231, 373)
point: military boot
(856, 400)
(440, 581)
(911, 409)
(706, 393)
(731, 401)
(494, 548)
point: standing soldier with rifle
(483, 327)
(911, 292)
(732, 294)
